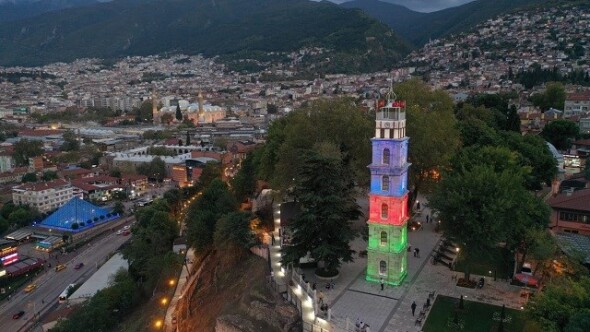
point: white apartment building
(45, 196)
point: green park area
(474, 316)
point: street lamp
(158, 324)
(164, 301)
(171, 282)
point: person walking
(418, 252)
(272, 237)
(382, 284)
(414, 252)
(427, 218)
(413, 307)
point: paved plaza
(389, 310)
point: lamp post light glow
(164, 301)
(171, 282)
(158, 324)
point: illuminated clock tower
(388, 198)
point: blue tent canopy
(80, 212)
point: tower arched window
(382, 267)
(384, 211)
(386, 156)
(385, 183)
(383, 238)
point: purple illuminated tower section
(388, 198)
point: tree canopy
(215, 201)
(155, 169)
(432, 128)
(25, 149)
(561, 133)
(323, 228)
(564, 305)
(338, 121)
(552, 97)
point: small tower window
(386, 156)
(382, 267)
(383, 238)
(384, 211)
(385, 183)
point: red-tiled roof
(39, 186)
(132, 177)
(582, 142)
(39, 132)
(578, 200)
(578, 96)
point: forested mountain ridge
(220, 27)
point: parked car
(18, 315)
(126, 232)
(30, 288)
(527, 269)
(79, 266)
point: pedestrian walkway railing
(303, 296)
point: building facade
(45, 196)
(388, 197)
(570, 212)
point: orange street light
(164, 301)
(171, 282)
(158, 324)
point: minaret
(201, 106)
(388, 198)
(155, 116)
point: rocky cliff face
(236, 297)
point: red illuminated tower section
(388, 208)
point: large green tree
(475, 208)
(153, 235)
(563, 302)
(561, 133)
(338, 121)
(432, 128)
(323, 229)
(25, 149)
(215, 201)
(155, 169)
(71, 142)
(233, 234)
(552, 97)
(244, 183)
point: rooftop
(578, 200)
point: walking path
(308, 314)
(389, 310)
(180, 287)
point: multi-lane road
(51, 283)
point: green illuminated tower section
(388, 198)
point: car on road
(18, 315)
(126, 232)
(126, 227)
(60, 267)
(79, 266)
(30, 288)
(119, 232)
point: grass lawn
(475, 317)
(500, 258)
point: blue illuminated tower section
(388, 198)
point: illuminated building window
(384, 211)
(385, 183)
(382, 267)
(386, 156)
(383, 238)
